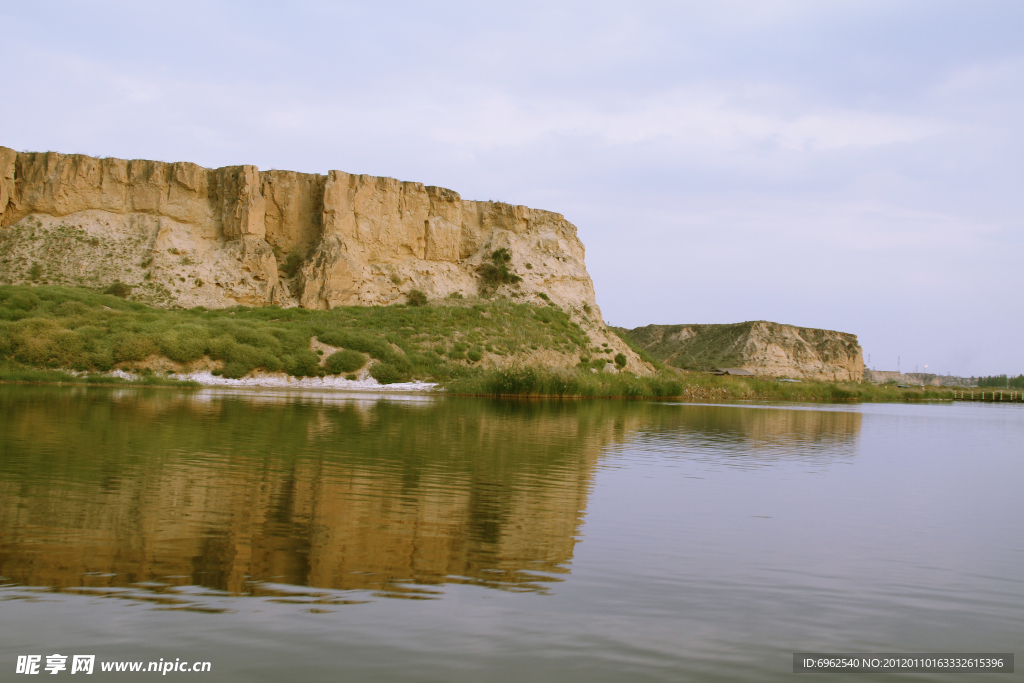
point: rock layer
(241, 236)
(764, 348)
(182, 235)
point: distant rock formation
(918, 378)
(764, 348)
(181, 234)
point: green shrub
(292, 263)
(132, 347)
(24, 301)
(302, 363)
(235, 370)
(497, 273)
(544, 315)
(119, 289)
(385, 373)
(347, 360)
(620, 360)
(417, 298)
(374, 346)
(102, 359)
(35, 272)
(68, 309)
(67, 349)
(475, 354)
(184, 343)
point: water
(391, 538)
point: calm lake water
(313, 536)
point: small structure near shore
(739, 372)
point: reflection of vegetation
(340, 493)
(227, 490)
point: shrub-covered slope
(766, 348)
(74, 328)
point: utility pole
(898, 365)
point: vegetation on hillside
(705, 348)
(51, 327)
(497, 272)
(535, 381)
(46, 332)
(667, 384)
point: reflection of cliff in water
(752, 436)
(221, 490)
(112, 487)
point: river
(315, 536)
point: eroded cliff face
(187, 235)
(765, 348)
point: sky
(854, 166)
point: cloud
(734, 159)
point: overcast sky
(855, 166)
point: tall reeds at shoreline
(540, 382)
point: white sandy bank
(281, 380)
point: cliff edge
(178, 234)
(182, 234)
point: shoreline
(280, 380)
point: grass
(45, 330)
(763, 388)
(54, 327)
(15, 372)
(532, 381)
(704, 348)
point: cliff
(918, 378)
(181, 234)
(764, 348)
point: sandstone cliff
(240, 236)
(183, 235)
(764, 348)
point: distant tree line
(1002, 381)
